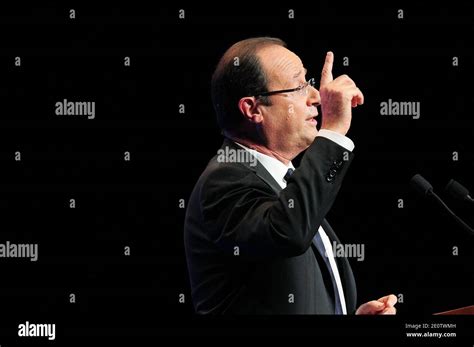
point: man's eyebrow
(299, 73)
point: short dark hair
(239, 73)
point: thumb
(326, 74)
(389, 300)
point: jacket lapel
(347, 277)
(259, 169)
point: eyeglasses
(301, 90)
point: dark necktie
(288, 174)
(318, 242)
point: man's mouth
(312, 120)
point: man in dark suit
(256, 237)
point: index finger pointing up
(326, 75)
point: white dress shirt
(278, 171)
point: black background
(136, 203)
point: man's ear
(251, 109)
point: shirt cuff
(340, 139)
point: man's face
(289, 122)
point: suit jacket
(249, 243)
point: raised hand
(338, 96)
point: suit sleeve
(245, 217)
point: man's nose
(314, 98)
